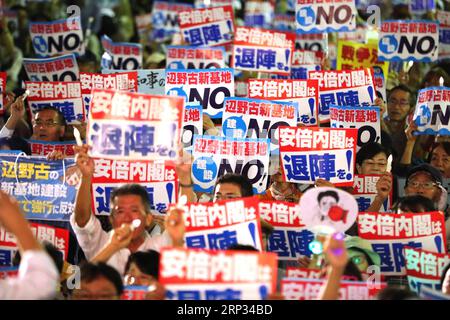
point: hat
(425, 167)
(363, 245)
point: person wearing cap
(361, 254)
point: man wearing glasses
(48, 125)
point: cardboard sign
(192, 125)
(207, 87)
(122, 55)
(290, 238)
(432, 113)
(157, 177)
(444, 34)
(208, 26)
(365, 119)
(196, 274)
(57, 37)
(304, 92)
(365, 190)
(313, 42)
(220, 225)
(124, 125)
(414, 40)
(216, 156)
(390, 233)
(344, 88)
(184, 57)
(263, 50)
(165, 19)
(40, 186)
(64, 96)
(317, 16)
(43, 148)
(62, 68)
(307, 154)
(3, 77)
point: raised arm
(85, 163)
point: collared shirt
(37, 278)
(92, 239)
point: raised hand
(84, 162)
(175, 226)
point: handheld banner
(359, 35)
(390, 233)
(64, 96)
(284, 22)
(317, 16)
(43, 148)
(123, 55)
(198, 274)
(365, 190)
(251, 118)
(444, 34)
(313, 42)
(343, 88)
(290, 239)
(62, 68)
(304, 92)
(263, 50)
(208, 26)
(184, 57)
(41, 187)
(165, 19)
(304, 61)
(57, 37)
(134, 126)
(207, 87)
(157, 177)
(307, 154)
(216, 156)
(408, 40)
(149, 81)
(3, 77)
(192, 125)
(222, 224)
(432, 112)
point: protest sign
(64, 96)
(365, 190)
(62, 68)
(430, 294)
(212, 3)
(424, 268)
(134, 293)
(208, 26)
(309, 289)
(259, 14)
(165, 19)
(192, 125)
(294, 272)
(40, 186)
(157, 177)
(198, 274)
(222, 224)
(313, 42)
(390, 233)
(284, 22)
(7, 272)
(418, 8)
(414, 40)
(121, 55)
(125, 125)
(3, 77)
(304, 61)
(43, 148)
(317, 16)
(359, 35)
(184, 57)
(365, 119)
(263, 50)
(215, 156)
(343, 88)
(380, 83)
(149, 81)
(289, 239)
(307, 154)
(304, 92)
(432, 112)
(207, 87)
(57, 37)
(251, 118)
(444, 34)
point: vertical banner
(216, 156)
(304, 92)
(57, 37)
(122, 55)
(207, 87)
(414, 40)
(389, 233)
(432, 112)
(290, 239)
(196, 274)
(365, 190)
(134, 126)
(157, 177)
(165, 19)
(192, 125)
(263, 50)
(184, 57)
(307, 154)
(62, 68)
(208, 26)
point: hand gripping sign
(185, 57)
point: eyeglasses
(424, 185)
(403, 103)
(38, 123)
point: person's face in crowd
(283, 191)
(446, 283)
(326, 203)
(398, 105)
(125, 209)
(226, 191)
(98, 289)
(441, 160)
(421, 183)
(431, 80)
(47, 127)
(375, 165)
(135, 277)
(359, 259)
